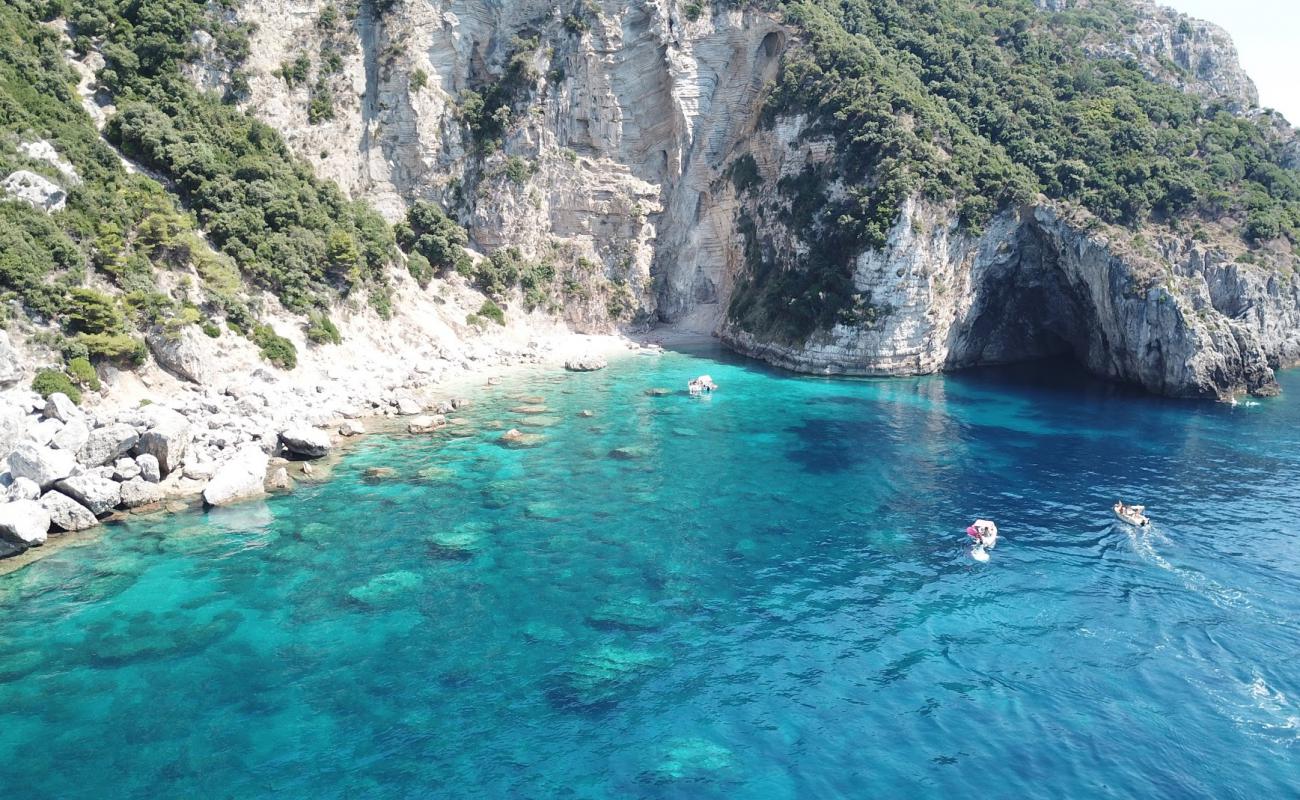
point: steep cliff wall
(640, 162)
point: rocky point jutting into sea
(186, 256)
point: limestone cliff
(633, 165)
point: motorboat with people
(701, 385)
(1133, 515)
(984, 537)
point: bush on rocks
(49, 381)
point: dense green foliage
(49, 381)
(281, 227)
(989, 104)
(434, 241)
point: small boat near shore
(701, 385)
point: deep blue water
(765, 594)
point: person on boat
(1134, 515)
(984, 533)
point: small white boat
(984, 537)
(1133, 515)
(701, 385)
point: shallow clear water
(763, 594)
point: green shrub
(419, 79)
(274, 347)
(211, 329)
(84, 374)
(492, 311)
(320, 107)
(420, 269)
(436, 237)
(89, 311)
(49, 381)
(519, 170)
(117, 347)
(295, 72)
(321, 329)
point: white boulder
(24, 489)
(166, 440)
(243, 476)
(305, 441)
(125, 468)
(586, 363)
(182, 352)
(35, 190)
(149, 469)
(42, 465)
(72, 437)
(351, 427)
(59, 406)
(10, 372)
(139, 492)
(43, 432)
(95, 492)
(67, 514)
(108, 443)
(24, 522)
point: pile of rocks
(65, 470)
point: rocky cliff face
(636, 123)
(1177, 318)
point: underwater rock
(692, 759)
(658, 391)
(543, 510)
(627, 613)
(586, 412)
(384, 588)
(539, 421)
(529, 408)
(426, 423)
(629, 453)
(607, 673)
(378, 474)
(461, 541)
(515, 438)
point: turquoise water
(764, 594)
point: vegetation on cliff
(216, 176)
(987, 105)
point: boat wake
(1145, 543)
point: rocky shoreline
(66, 469)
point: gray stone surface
(240, 478)
(96, 493)
(42, 465)
(107, 444)
(25, 522)
(305, 441)
(67, 514)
